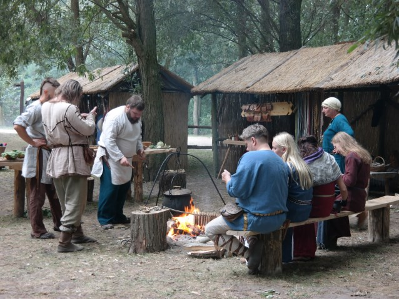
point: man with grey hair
(30, 128)
(120, 139)
(260, 186)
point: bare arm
(21, 131)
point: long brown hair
(349, 144)
(70, 91)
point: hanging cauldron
(177, 199)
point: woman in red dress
(356, 178)
(326, 174)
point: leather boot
(255, 251)
(78, 237)
(65, 245)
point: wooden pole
(19, 194)
(224, 161)
(215, 136)
(90, 189)
(148, 231)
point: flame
(186, 224)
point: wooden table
(19, 186)
(138, 170)
(386, 176)
(19, 180)
(229, 143)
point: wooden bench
(378, 227)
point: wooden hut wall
(391, 127)
(354, 104)
(231, 123)
(117, 99)
(175, 107)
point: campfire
(185, 224)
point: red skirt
(305, 235)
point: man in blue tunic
(260, 186)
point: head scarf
(332, 103)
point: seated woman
(299, 202)
(356, 177)
(326, 174)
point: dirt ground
(33, 269)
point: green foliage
(383, 26)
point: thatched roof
(107, 78)
(330, 67)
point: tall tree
(137, 23)
(290, 25)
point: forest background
(194, 39)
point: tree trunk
(290, 25)
(148, 231)
(335, 11)
(79, 57)
(241, 25)
(150, 78)
(266, 43)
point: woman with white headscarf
(331, 108)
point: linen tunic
(64, 126)
(120, 138)
(260, 185)
(31, 119)
(337, 124)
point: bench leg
(272, 257)
(379, 225)
(19, 194)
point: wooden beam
(215, 135)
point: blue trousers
(111, 199)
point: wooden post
(215, 135)
(272, 255)
(27, 192)
(90, 188)
(138, 180)
(148, 231)
(379, 225)
(19, 194)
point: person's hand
(226, 176)
(124, 161)
(94, 111)
(39, 142)
(141, 154)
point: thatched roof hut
(110, 87)
(364, 80)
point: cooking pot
(177, 199)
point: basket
(378, 164)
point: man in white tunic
(30, 128)
(120, 139)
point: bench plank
(372, 204)
(379, 218)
